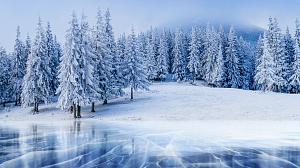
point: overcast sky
(140, 13)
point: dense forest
(92, 66)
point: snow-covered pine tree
(295, 78)
(116, 78)
(211, 54)
(142, 42)
(179, 66)
(5, 77)
(151, 65)
(19, 66)
(121, 51)
(75, 73)
(86, 64)
(275, 42)
(156, 43)
(170, 41)
(103, 64)
(289, 53)
(134, 72)
(248, 63)
(233, 62)
(218, 75)
(195, 54)
(36, 84)
(53, 58)
(223, 41)
(162, 57)
(265, 77)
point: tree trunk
(71, 109)
(34, 108)
(93, 107)
(37, 107)
(131, 93)
(78, 111)
(16, 103)
(105, 101)
(74, 110)
(4, 104)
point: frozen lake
(150, 144)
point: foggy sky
(139, 13)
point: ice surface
(150, 144)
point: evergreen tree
(265, 78)
(233, 62)
(162, 57)
(248, 64)
(76, 70)
(218, 75)
(295, 78)
(134, 72)
(86, 64)
(121, 51)
(170, 41)
(289, 52)
(211, 54)
(19, 66)
(53, 58)
(151, 65)
(5, 77)
(179, 66)
(103, 58)
(117, 80)
(142, 42)
(275, 42)
(36, 88)
(195, 53)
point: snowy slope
(179, 101)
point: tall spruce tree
(151, 65)
(53, 58)
(295, 77)
(6, 67)
(248, 64)
(275, 42)
(219, 72)
(116, 78)
(211, 54)
(36, 84)
(233, 62)
(19, 66)
(289, 53)
(75, 73)
(195, 54)
(134, 72)
(162, 57)
(179, 66)
(265, 77)
(103, 64)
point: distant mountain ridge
(249, 32)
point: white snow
(177, 101)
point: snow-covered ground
(178, 101)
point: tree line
(93, 66)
